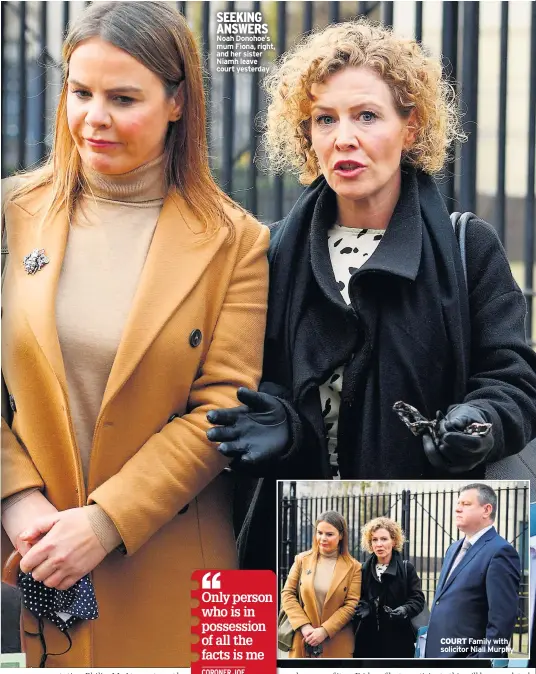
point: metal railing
(32, 32)
(427, 519)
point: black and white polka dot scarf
(63, 608)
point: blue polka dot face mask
(63, 608)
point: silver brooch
(35, 261)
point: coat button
(183, 510)
(345, 589)
(437, 602)
(12, 403)
(195, 337)
(173, 416)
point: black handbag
(521, 466)
(423, 618)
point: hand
(458, 452)
(362, 610)
(20, 517)
(306, 630)
(255, 432)
(399, 613)
(68, 550)
(316, 636)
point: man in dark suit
(476, 601)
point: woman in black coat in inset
(390, 595)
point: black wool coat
(414, 332)
(379, 636)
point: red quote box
(236, 626)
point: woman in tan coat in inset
(322, 591)
(148, 313)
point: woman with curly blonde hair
(130, 282)
(391, 594)
(368, 301)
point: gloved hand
(252, 433)
(458, 452)
(362, 610)
(399, 613)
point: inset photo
(413, 569)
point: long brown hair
(338, 521)
(157, 35)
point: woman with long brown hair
(322, 591)
(130, 283)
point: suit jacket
(478, 601)
(161, 483)
(339, 605)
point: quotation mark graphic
(211, 584)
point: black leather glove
(362, 610)
(455, 451)
(252, 433)
(399, 613)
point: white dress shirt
(474, 538)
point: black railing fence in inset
(30, 53)
(428, 521)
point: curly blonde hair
(394, 529)
(415, 79)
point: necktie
(461, 554)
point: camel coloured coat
(339, 605)
(194, 334)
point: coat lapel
(308, 588)
(37, 292)
(452, 551)
(339, 573)
(178, 255)
(473, 550)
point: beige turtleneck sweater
(108, 242)
(325, 567)
(106, 250)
